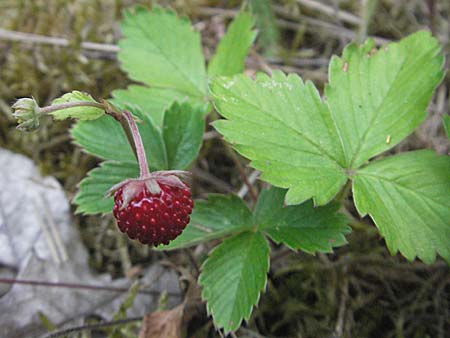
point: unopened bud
(27, 114)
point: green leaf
(81, 113)
(377, 98)
(266, 24)
(446, 122)
(233, 277)
(182, 133)
(301, 226)
(106, 139)
(173, 60)
(281, 124)
(234, 46)
(90, 198)
(152, 101)
(219, 216)
(408, 197)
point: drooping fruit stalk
(155, 207)
(140, 151)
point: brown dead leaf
(163, 324)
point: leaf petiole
(66, 105)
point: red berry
(153, 218)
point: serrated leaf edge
(246, 316)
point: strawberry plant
(315, 151)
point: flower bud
(27, 114)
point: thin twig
(241, 170)
(339, 328)
(330, 11)
(77, 286)
(261, 62)
(332, 29)
(251, 179)
(65, 332)
(55, 41)
(206, 176)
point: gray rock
(39, 242)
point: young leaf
(234, 46)
(281, 124)
(173, 60)
(106, 139)
(182, 133)
(90, 198)
(408, 197)
(219, 216)
(446, 122)
(301, 226)
(233, 277)
(378, 97)
(81, 113)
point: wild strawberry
(155, 207)
(154, 210)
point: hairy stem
(140, 151)
(104, 105)
(50, 109)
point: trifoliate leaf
(219, 216)
(233, 277)
(408, 197)
(378, 97)
(446, 123)
(281, 124)
(233, 47)
(300, 226)
(173, 60)
(90, 198)
(106, 139)
(182, 132)
(81, 113)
